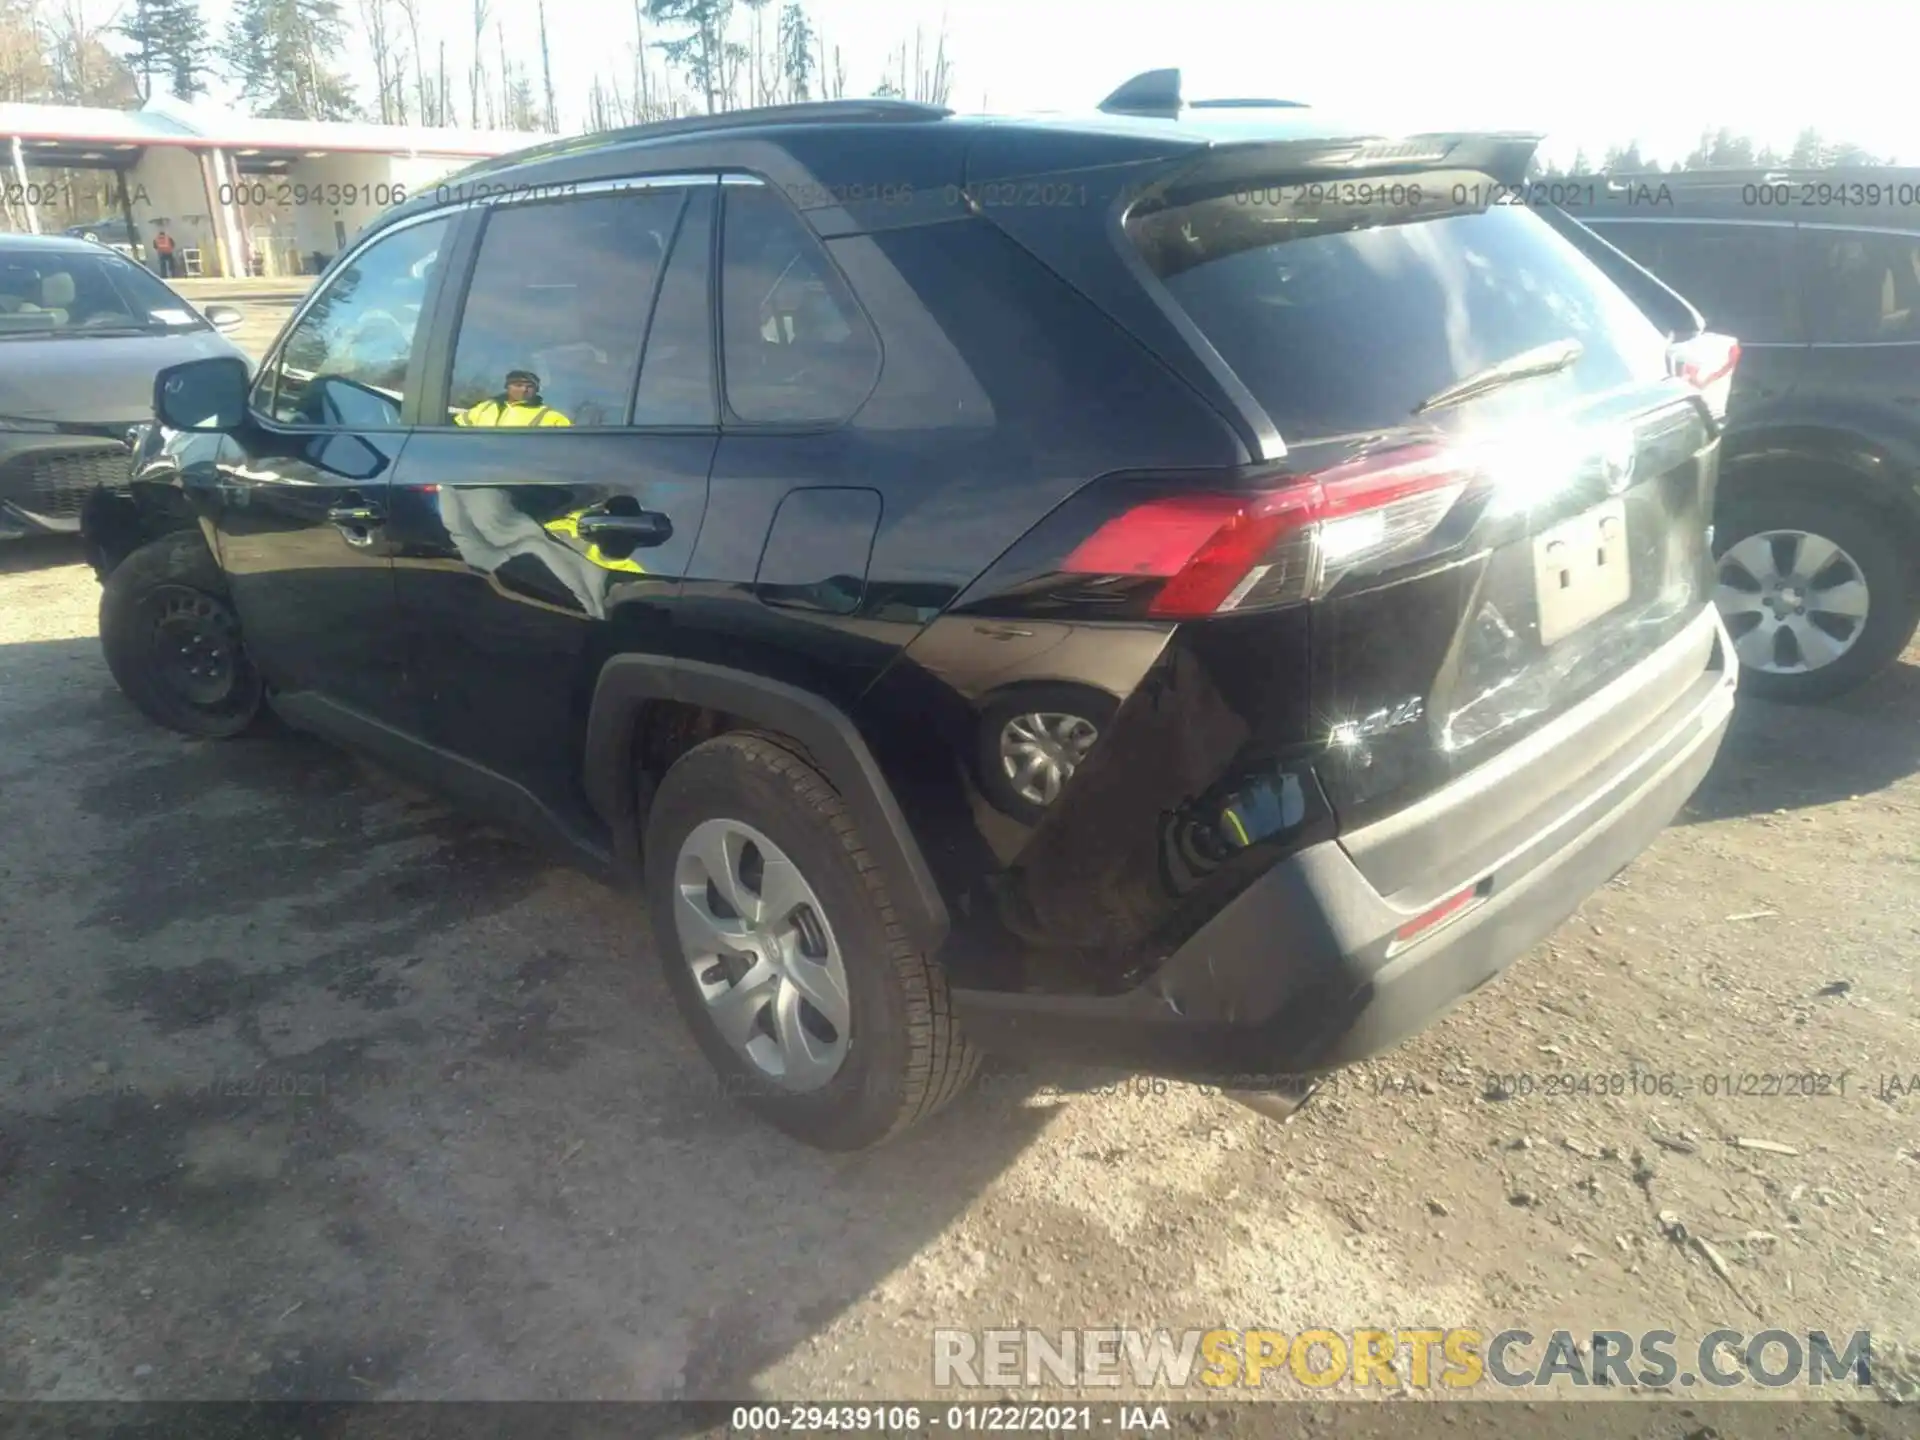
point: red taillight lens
(1707, 363)
(1232, 552)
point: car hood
(93, 380)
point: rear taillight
(1222, 553)
(1707, 362)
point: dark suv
(1817, 529)
(763, 505)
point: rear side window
(1739, 277)
(795, 347)
(561, 293)
(1342, 313)
(1862, 287)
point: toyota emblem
(1616, 462)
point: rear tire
(172, 640)
(1762, 543)
(897, 1054)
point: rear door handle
(649, 527)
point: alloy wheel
(763, 954)
(1793, 601)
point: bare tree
(410, 9)
(506, 70)
(480, 9)
(373, 16)
(833, 78)
(25, 73)
(546, 72)
(85, 70)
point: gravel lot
(314, 1089)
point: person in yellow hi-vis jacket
(519, 404)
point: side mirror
(209, 395)
(224, 317)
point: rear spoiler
(1502, 157)
(1669, 311)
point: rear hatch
(1506, 492)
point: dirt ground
(311, 1088)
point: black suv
(1191, 588)
(1817, 528)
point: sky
(1585, 73)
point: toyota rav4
(1196, 587)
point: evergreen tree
(704, 52)
(185, 45)
(1808, 152)
(796, 43)
(284, 53)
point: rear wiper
(1548, 359)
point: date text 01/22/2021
(969, 1419)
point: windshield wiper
(1548, 359)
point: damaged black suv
(1197, 588)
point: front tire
(1816, 594)
(785, 955)
(172, 640)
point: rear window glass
(1341, 307)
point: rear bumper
(1303, 972)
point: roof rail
(1247, 104)
(814, 112)
(1157, 92)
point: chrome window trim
(538, 194)
(1681, 220)
(1859, 229)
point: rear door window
(1342, 308)
(1861, 287)
(1739, 277)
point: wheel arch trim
(1881, 474)
(628, 682)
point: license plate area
(1581, 570)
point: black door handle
(356, 523)
(649, 527)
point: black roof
(853, 164)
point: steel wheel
(1040, 751)
(195, 645)
(763, 956)
(1793, 601)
